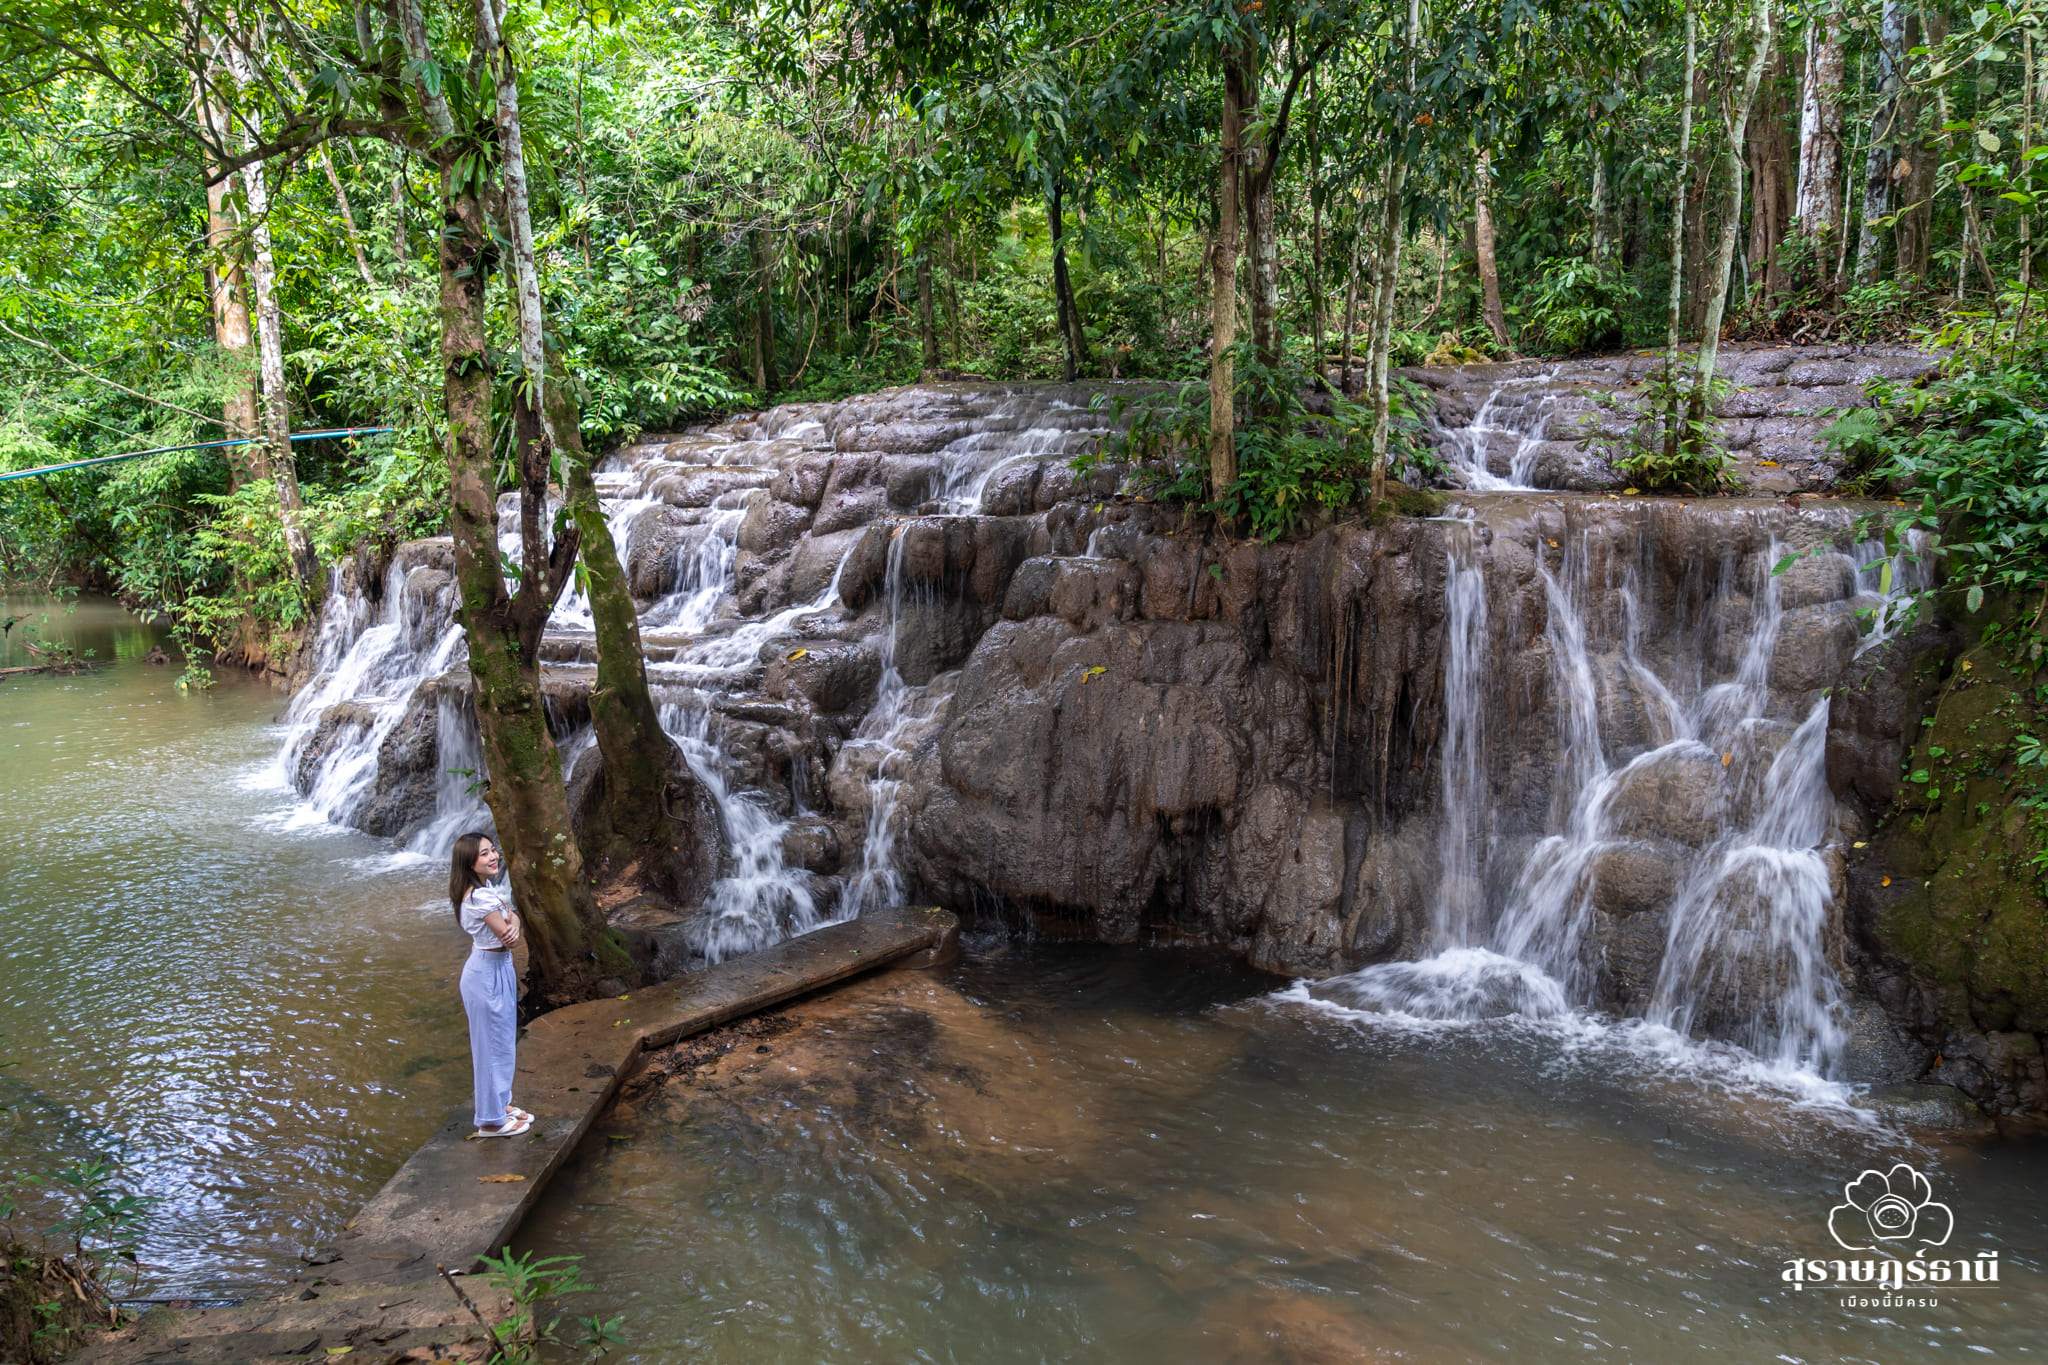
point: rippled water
(1061, 1153)
(258, 1025)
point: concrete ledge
(443, 1207)
(458, 1199)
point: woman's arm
(505, 925)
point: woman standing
(490, 987)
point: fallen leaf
(1727, 758)
(1089, 675)
(796, 654)
(1551, 543)
(1630, 492)
(1766, 464)
(507, 1179)
(1884, 881)
(1966, 665)
(1861, 843)
(622, 997)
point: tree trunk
(401, 251)
(277, 420)
(640, 761)
(1262, 245)
(1882, 156)
(1681, 188)
(1818, 204)
(1719, 274)
(765, 378)
(525, 791)
(927, 313)
(348, 217)
(1351, 269)
(1223, 286)
(1602, 241)
(1770, 186)
(1697, 215)
(1389, 265)
(1073, 338)
(227, 288)
(497, 55)
(1483, 251)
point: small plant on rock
(534, 1283)
(1675, 445)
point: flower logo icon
(1889, 1207)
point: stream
(1526, 807)
(1067, 1152)
(253, 1016)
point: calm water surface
(258, 1023)
(1062, 1153)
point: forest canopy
(224, 221)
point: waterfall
(758, 900)
(384, 736)
(878, 881)
(1516, 407)
(1460, 847)
(1714, 782)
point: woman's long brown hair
(462, 878)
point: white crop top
(485, 900)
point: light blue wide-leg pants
(490, 997)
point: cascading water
(1713, 779)
(1515, 410)
(757, 899)
(677, 508)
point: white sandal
(510, 1128)
(513, 1111)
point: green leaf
(1988, 140)
(1973, 599)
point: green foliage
(534, 1284)
(1295, 466)
(53, 1289)
(1573, 305)
(1675, 444)
(1968, 452)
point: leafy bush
(1969, 454)
(1675, 445)
(1291, 463)
(533, 1284)
(1574, 305)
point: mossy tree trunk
(640, 761)
(1223, 283)
(571, 948)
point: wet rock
(1678, 794)
(1812, 646)
(811, 843)
(1816, 580)
(831, 675)
(1629, 878)
(771, 525)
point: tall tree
(1881, 156)
(1740, 98)
(1817, 206)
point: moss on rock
(1951, 879)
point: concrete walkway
(457, 1199)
